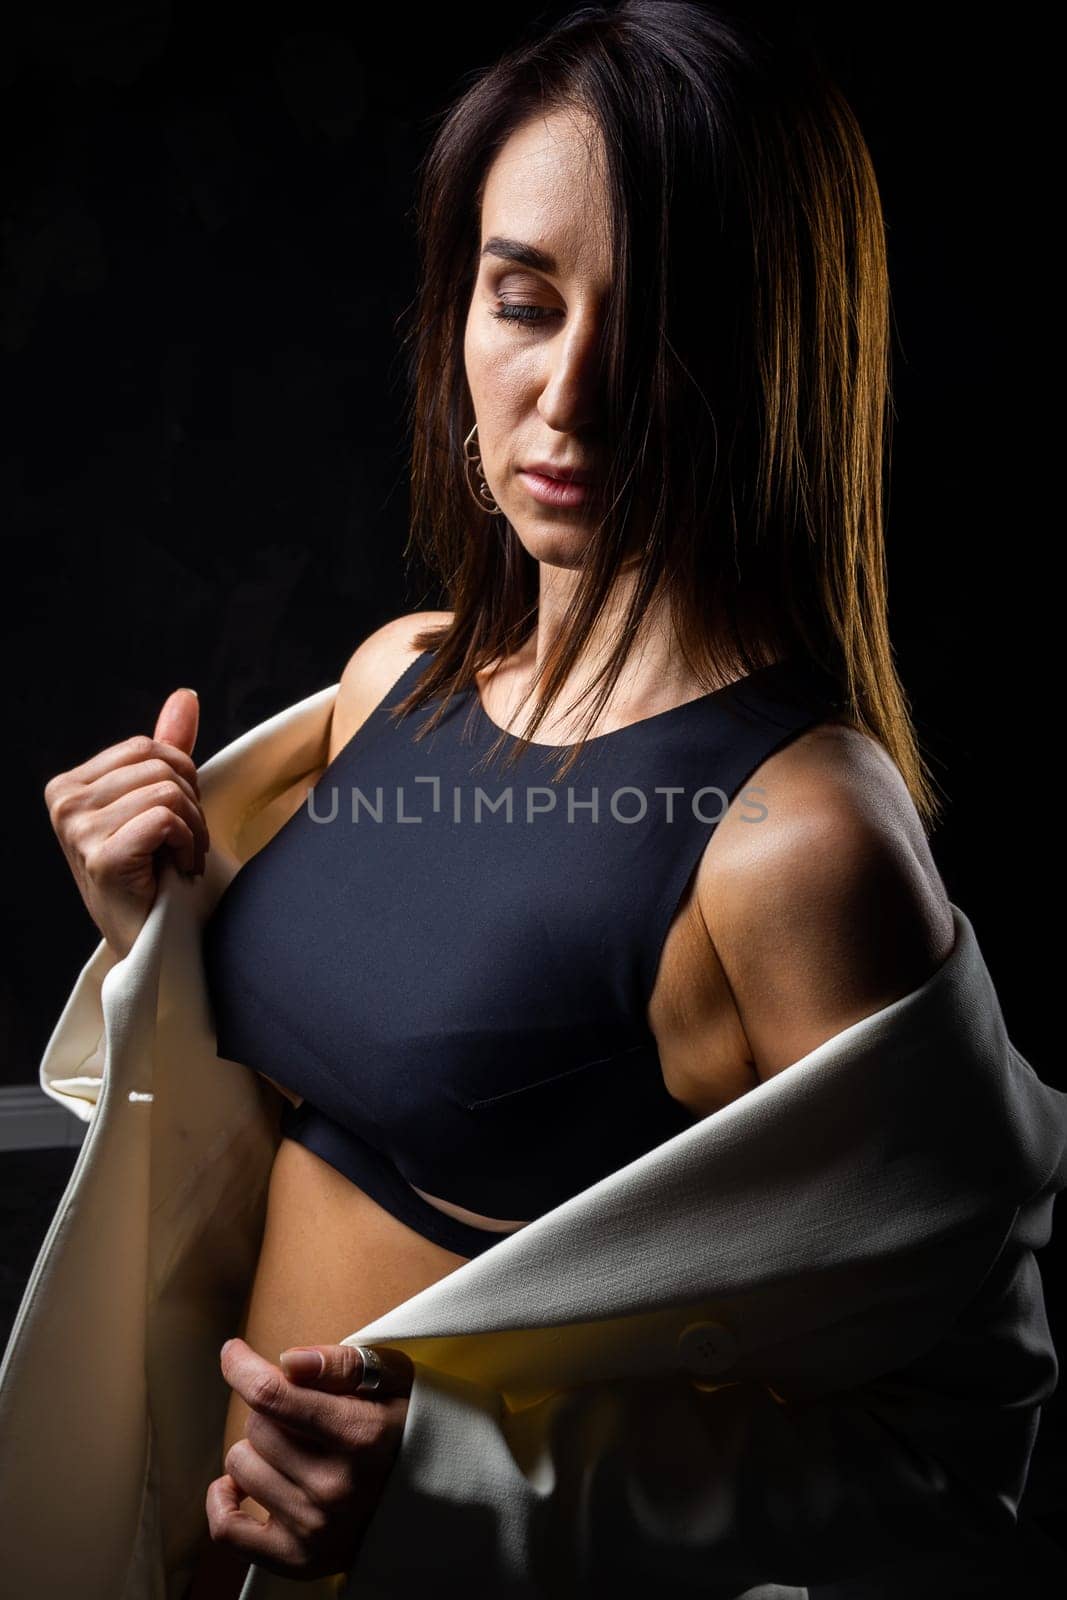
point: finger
(269, 1544)
(141, 837)
(153, 792)
(169, 793)
(181, 762)
(128, 779)
(135, 828)
(342, 1369)
(269, 1486)
(322, 1418)
(179, 719)
(297, 1457)
(127, 752)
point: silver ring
(372, 1369)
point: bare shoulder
(374, 667)
(828, 905)
(369, 674)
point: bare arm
(828, 908)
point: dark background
(208, 240)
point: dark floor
(32, 1181)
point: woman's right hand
(112, 814)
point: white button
(707, 1347)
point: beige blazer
(801, 1342)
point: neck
(654, 675)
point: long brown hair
(744, 376)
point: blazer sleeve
(662, 1484)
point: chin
(555, 547)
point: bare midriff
(331, 1260)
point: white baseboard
(31, 1120)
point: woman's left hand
(315, 1456)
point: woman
(650, 364)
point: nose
(570, 388)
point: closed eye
(521, 313)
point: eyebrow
(525, 255)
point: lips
(546, 469)
(554, 491)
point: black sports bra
(454, 967)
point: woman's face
(534, 327)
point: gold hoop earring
(481, 491)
